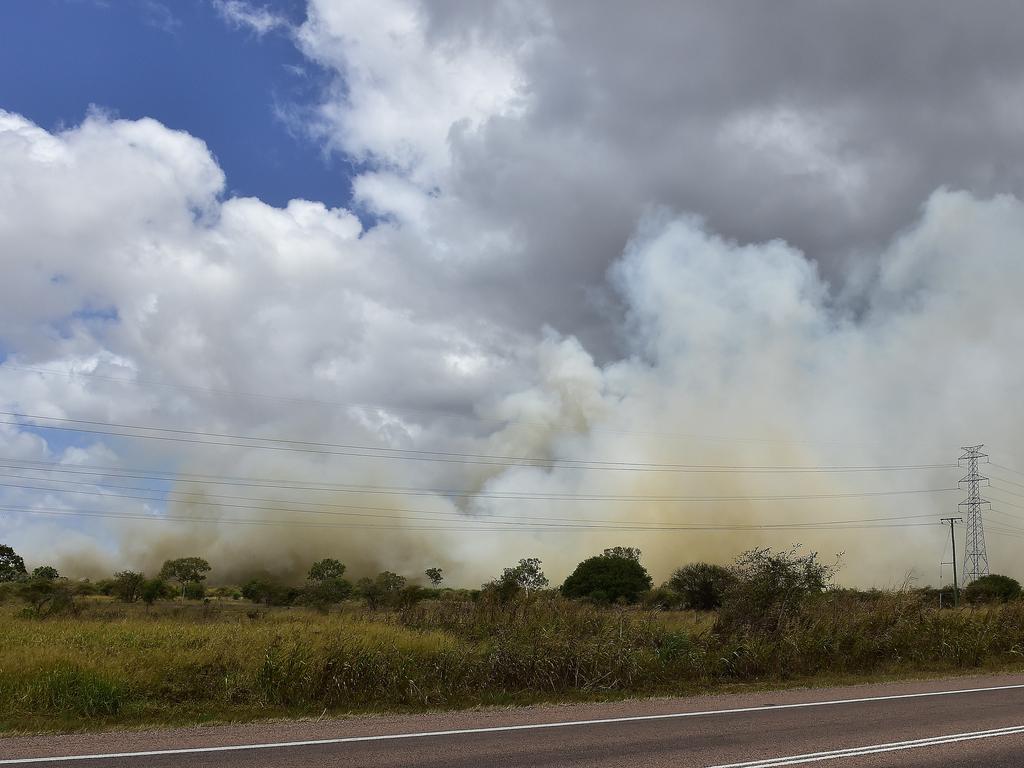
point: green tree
(185, 570)
(390, 582)
(46, 597)
(326, 592)
(12, 567)
(152, 590)
(614, 575)
(47, 572)
(994, 588)
(436, 576)
(325, 569)
(701, 586)
(629, 553)
(525, 576)
(127, 586)
(386, 587)
(266, 591)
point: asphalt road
(975, 721)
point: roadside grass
(113, 664)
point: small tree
(767, 585)
(327, 592)
(614, 575)
(45, 572)
(325, 569)
(46, 597)
(527, 575)
(195, 590)
(436, 576)
(152, 590)
(185, 570)
(993, 588)
(12, 567)
(701, 586)
(127, 586)
(385, 588)
(266, 591)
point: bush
(701, 586)
(325, 592)
(126, 586)
(994, 588)
(269, 592)
(155, 589)
(46, 597)
(768, 585)
(609, 577)
(194, 590)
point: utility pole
(975, 554)
(952, 536)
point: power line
(463, 493)
(410, 454)
(828, 526)
(431, 411)
(205, 502)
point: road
(977, 721)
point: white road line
(837, 754)
(501, 728)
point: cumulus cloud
(707, 234)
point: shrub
(194, 590)
(325, 592)
(994, 588)
(527, 575)
(46, 597)
(268, 592)
(127, 586)
(701, 586)
(609, 577)
(155, 589)
(767, 585)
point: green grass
(120, 665)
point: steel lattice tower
(975, 555)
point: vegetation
(613, 576)
(185, 570)
(12, 567)
(73, 658)
(701, 586)
(992, 589)
(47, 572)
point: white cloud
(258, 19)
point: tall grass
(120, 664)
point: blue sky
(182, 64)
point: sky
(450, 283)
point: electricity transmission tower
(975, 556)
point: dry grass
(119, 664)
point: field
(116, 664)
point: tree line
(615, 576)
